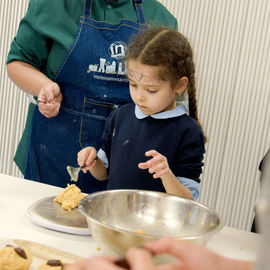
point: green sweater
(49, 28)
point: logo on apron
(117, 51)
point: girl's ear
(181, 86)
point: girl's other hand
(49, 100)
(87, 158)
(158, 165)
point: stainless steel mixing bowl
(119, 219)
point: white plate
(46, 213)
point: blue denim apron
(93, 82)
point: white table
(17, 194)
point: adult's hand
(138, 258)
(188, 256)
(50, 99)
(94, 263)
(191, 256)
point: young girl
(153, 144)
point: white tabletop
(17, 194)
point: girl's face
(150, 93)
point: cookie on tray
(15, 258)
(52, 265)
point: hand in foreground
(138, 258)
(193, 257)
(87, 157)
(157, 165)
(189, 257)
(94, 263)
(50, 98)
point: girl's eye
(132, 84)
(151, 91)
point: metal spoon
(74, 172)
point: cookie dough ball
(70, 197)
(15, 258)
(52, 265)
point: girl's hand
(49, 100)
(87, 157)
(158, 165)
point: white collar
(179, 110)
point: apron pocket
(95, 113)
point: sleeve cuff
(192, 185)
(102, 155)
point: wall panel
(13, 102)
(231, 45)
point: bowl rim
(152, 236)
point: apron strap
(137, 4)
(87, 8)
(139, 11)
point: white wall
(13, 102)
(231, 42)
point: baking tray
(46, 213)
(41, 253)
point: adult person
(69, 54)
